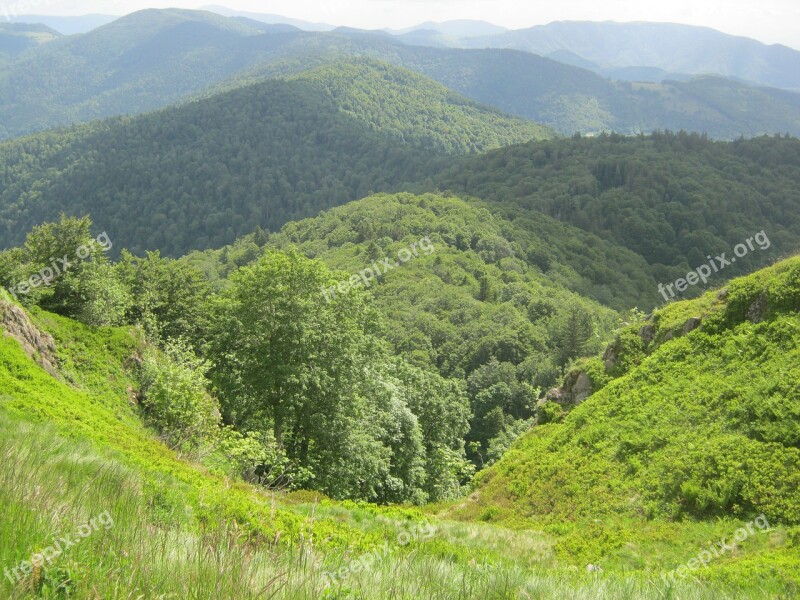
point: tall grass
(49, 486)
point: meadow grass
(51, 485)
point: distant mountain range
(153, 58)
(457, 28)
(640, 51)
(672, 48)
(65, 25)
(269, 18)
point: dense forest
(201, 175)
(673, 199)
(477, 312)
(477, 309)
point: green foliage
(673, 199)
(104, 299)
(173, 392)
(550, 412)
(309, 370)
(412, 109)
(506, 347)
(703, 424)
(169, 298)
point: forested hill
(200, 175)
(570, 99)
(416, 110)
(16, 38)
(673, 199)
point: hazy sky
(771, 21)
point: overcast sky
(770, 21)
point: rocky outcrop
(691, 324)
(40, 346)
(758, 309)
(611, 357)
(577, 387)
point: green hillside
(415, 110)
(138, 63)
(668, 386)
(673, 199)
(77, 451)
(473, 306)
(571, 99)
(16, 38)
(693, 418)
(201, 175)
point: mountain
(670, 47)
(260, 155)
(268, 19)
(455, 28)
(571, 99)
(691, 414)
(16, 38)
(416, 110)
(65, 25)
(137, 63)
(150, 59)
(565, 98)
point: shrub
(175, 398)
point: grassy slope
(699, 427)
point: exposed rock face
(611, 356)
(691, 325)
(577, 387)
(647, 333)
(40, 346)
(758, 309)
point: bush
(174, 395)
